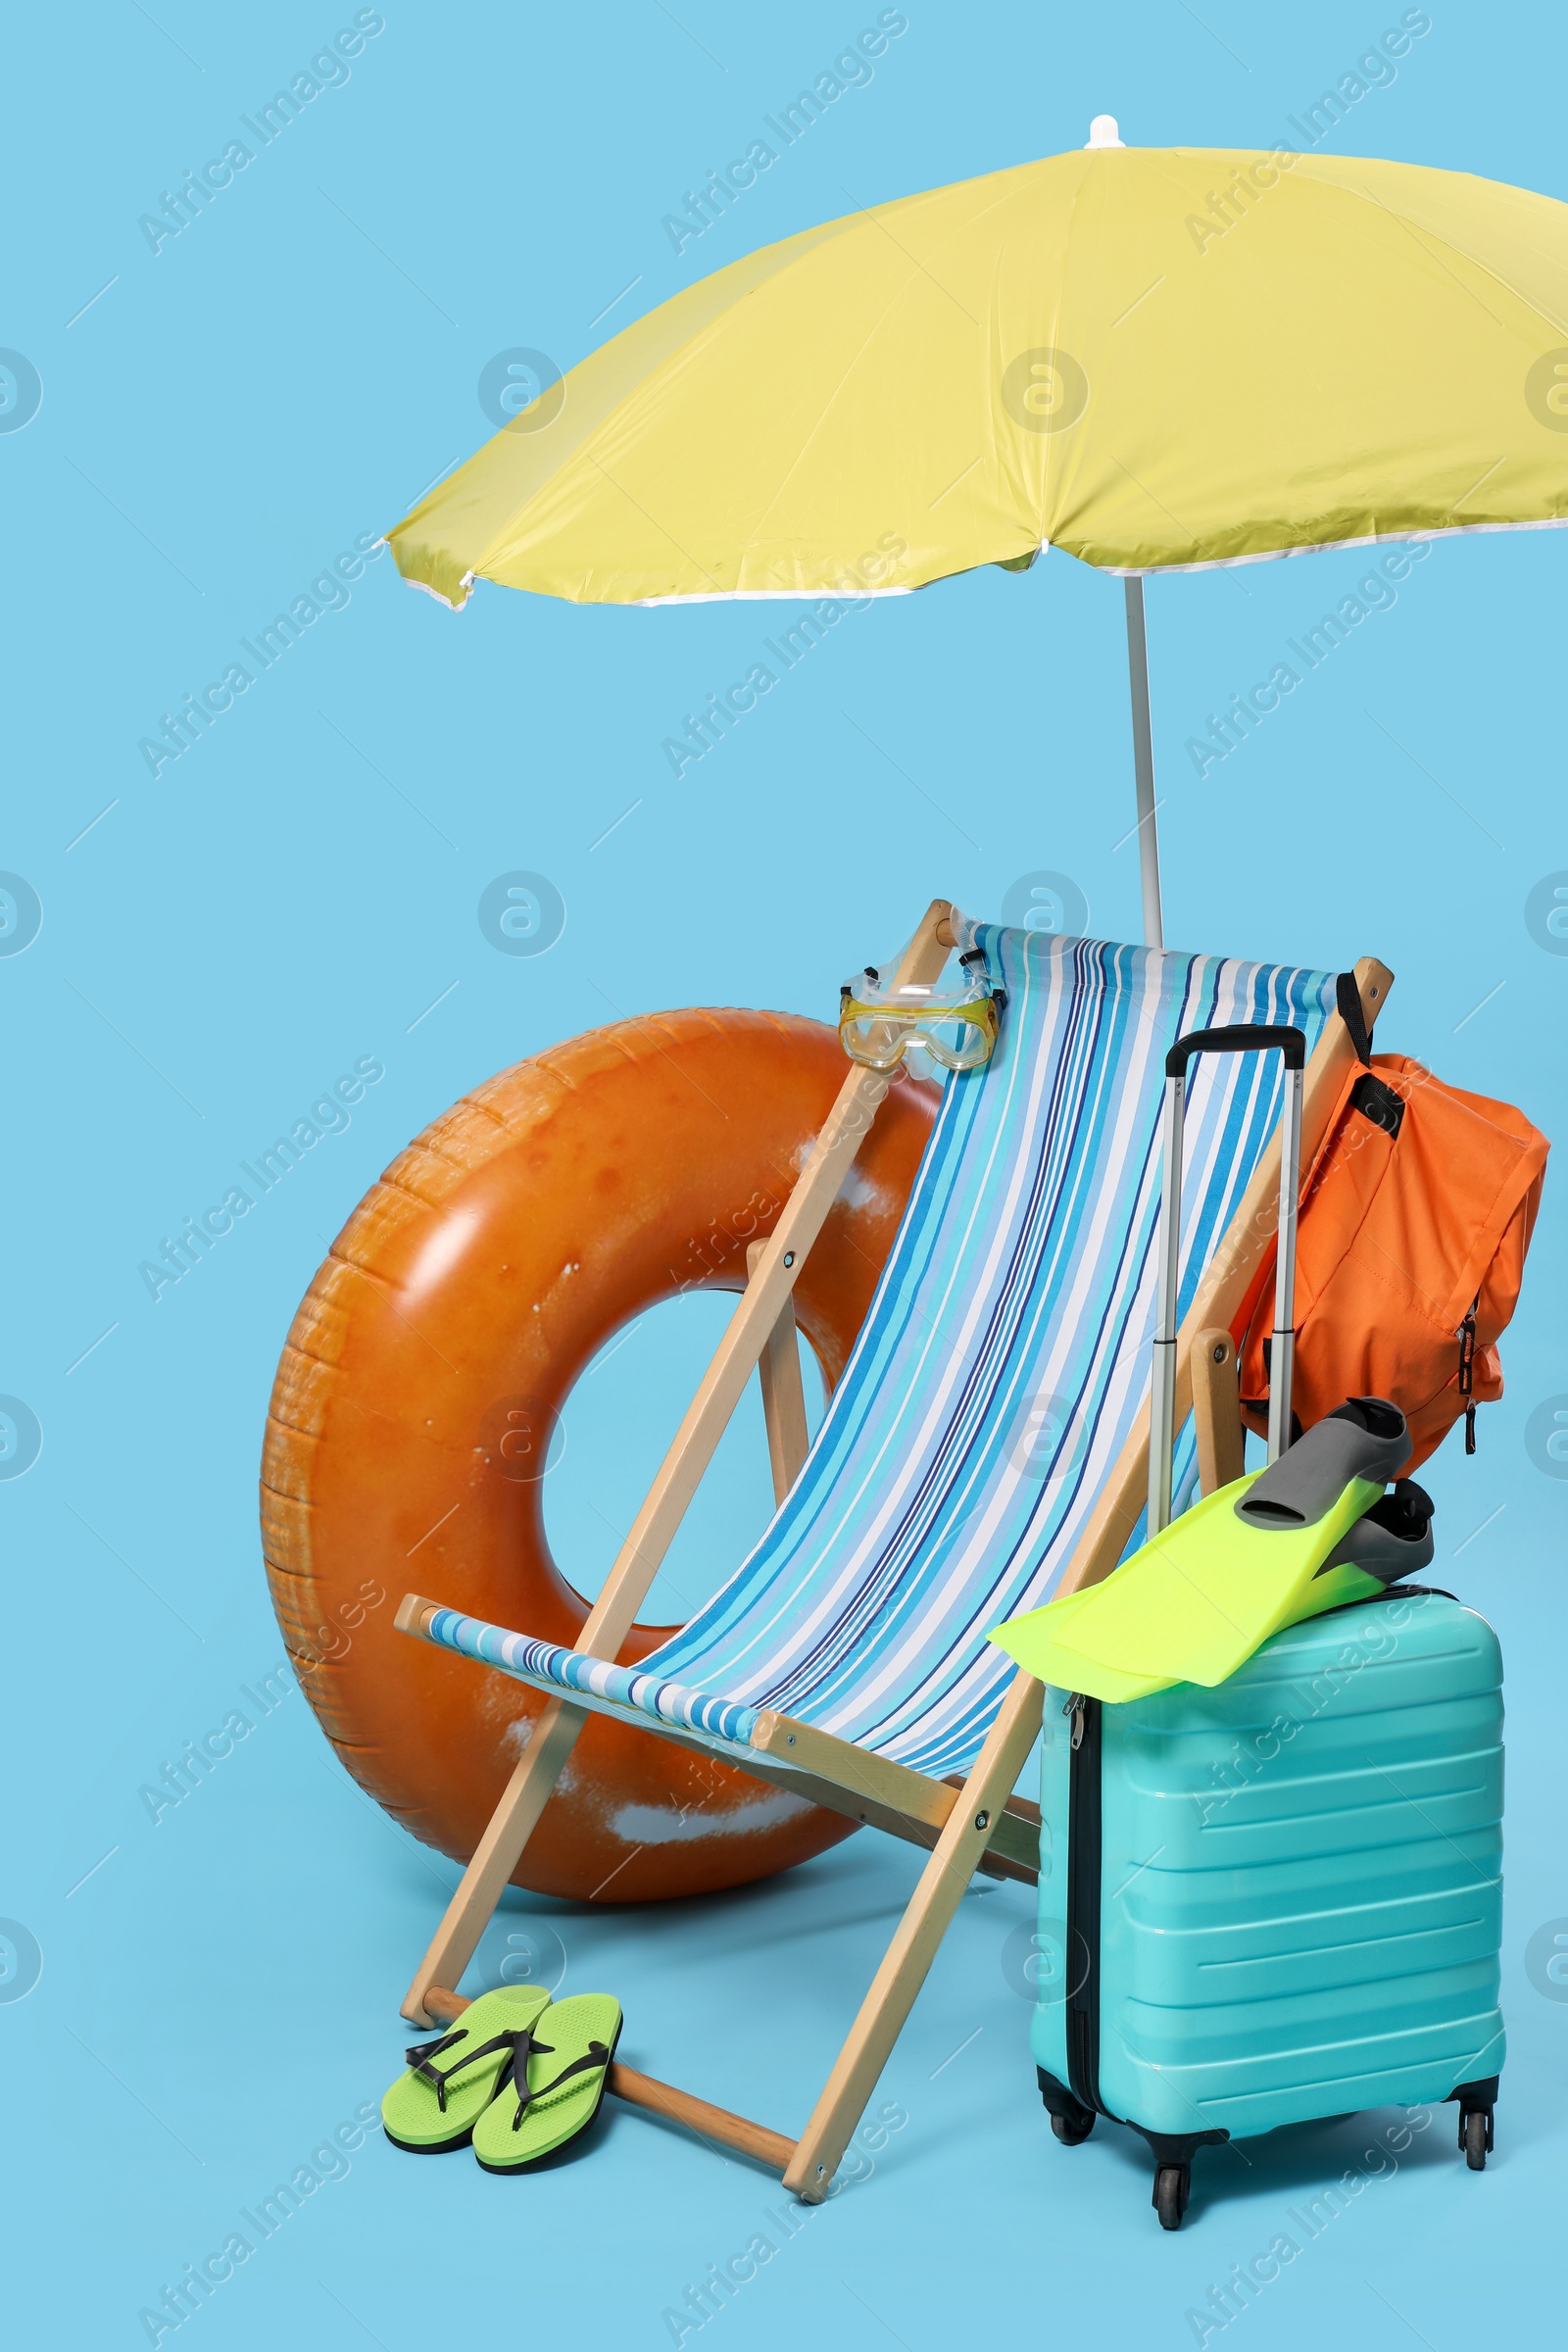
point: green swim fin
(1043, 1643)
(1195, 1603)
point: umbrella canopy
(1154, 358)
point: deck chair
(986, 1444)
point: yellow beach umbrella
(1157, 358)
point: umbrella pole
(1144, 762)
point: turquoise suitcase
(1279, 1899)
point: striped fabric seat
(1002, 1364)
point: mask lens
(958, 1044)
(873, 1039)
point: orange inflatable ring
(423, 1377)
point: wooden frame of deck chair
(973, 1822)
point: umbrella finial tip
(1103, 132)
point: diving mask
(879, 1021)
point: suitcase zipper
(1083, 1902)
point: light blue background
(298, 889)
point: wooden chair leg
(910, 1955)
(1217, 1410)
(778, 1368)
(752, 1328)
(495, 1856)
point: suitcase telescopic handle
(1241, 1038)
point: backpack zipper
(1467, 1360)
(1083, 1902)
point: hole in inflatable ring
(617, 1425)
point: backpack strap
(1348, 999)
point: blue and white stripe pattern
(1001, 1367)
(721, 1720)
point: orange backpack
(1414, 1220)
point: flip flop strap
(596, 2055)
(516, 2072)
(421, 2057)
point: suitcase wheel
(1073, 2130)
(1475, 2137)
(1172, 2185)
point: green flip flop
(450, 2080)
(554, 2090)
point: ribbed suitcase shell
(1300, 1891)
